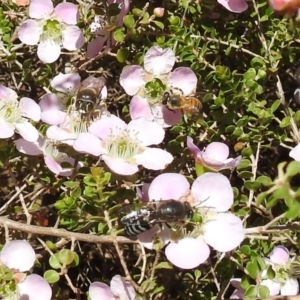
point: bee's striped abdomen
(136, 228)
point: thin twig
(61, 233)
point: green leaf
(264, 180)
(293, 168)
(245, 249)
(119, 36)
(263, 292)
(122, 55)
(286, 121)
(252, 269)
(164, 265)
(129, 21)
(71, 184)
(251, 291)
(66, 256)
(51, 276)
(54, 261)
(159, 24)
(270, 272)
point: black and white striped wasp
(155, 212)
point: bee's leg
(179, 90)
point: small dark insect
(168, 211)
(88, 94)
(187, 104)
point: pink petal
(192, 147)
(123, 12)
(280, 255)
(72, 37)
(295, 153)
(88, 143)
(34, 287)
(187, 253)
(95, 46)
(48, 51)
(224, 233)
(6, 129)
(159, 61)
(121, 288)
(67, 12)
(53, 117)
(107, 126)
(7, 94)
(29, 148)
(120, 166)
(58, 134)
(50, 101)
(184, 79)
(148, 133)
(215, 157)
(30, 109)
(99, 290)
(236, 282)
(140, 108)
(273, 286)
(147, 237)
(143, 194)
(170, 117)
(18, 255)
(39, 9)
(168, 186)
(290, 288)
(217, 151)
(65, 83)
(29, 32)
(27, 131)
(237, 294)
(132, 79)
(53, 165)
(236, 6)
(154, 159)
(214, 191)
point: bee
(88, 95)
(187, 104)
(168, 211)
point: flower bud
(158, 12)
(285, 6)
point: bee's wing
(94, 82)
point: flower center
(52, 30)
(50, 150)
(75, 123)
(10, 111)
(123, 145)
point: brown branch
(62, 233)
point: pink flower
(282, 283)
(67, 124)
(285, 7)
(236, 6)
(212, 196)
(53, 28)
(14, 115)
(295, 153)
(101, 28)
(148, 86)
(52, 157)
(123, 147)
(19, 256)
(215, 156)
(119, 288)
